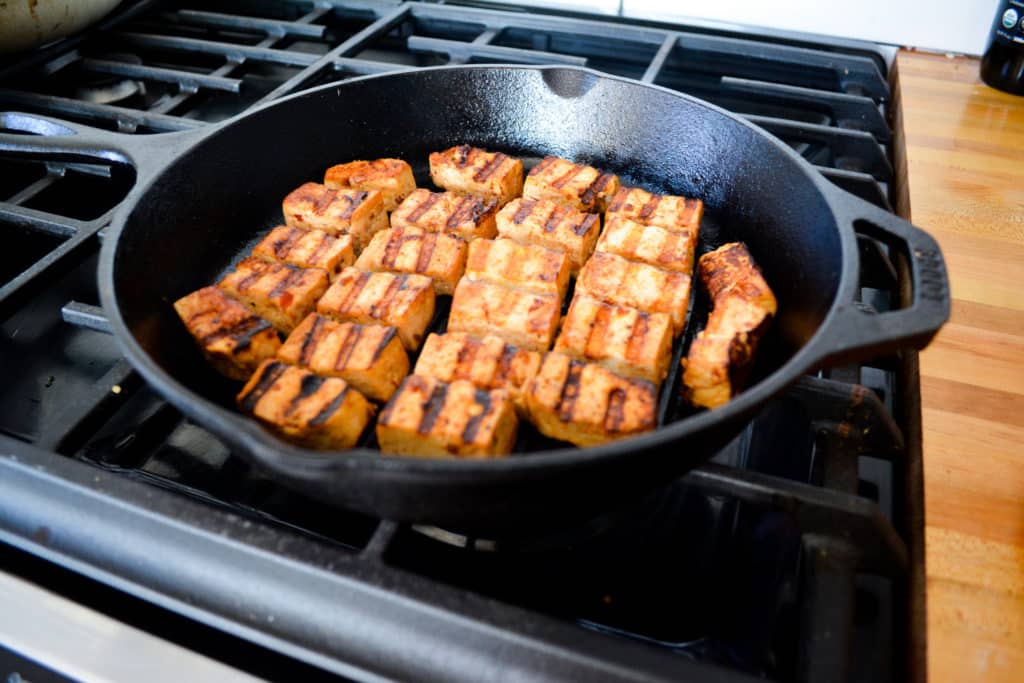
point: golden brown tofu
(391, 177)
(582, 188)
(521, 318)
(405, 302)
(430, 418)
(586, 404)
(306, 249)
(551, 225)
(281, 293)
(530, 267)
(470, 170)
(369, 357)
(468, 217)
(307, 409)
(440, 257)
(627, 341)
(359, 213)
(664, 210)
(730, 271)
(489, 363)
(650, 244)
(613, 279)
(233, 340)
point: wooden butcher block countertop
(965, 167)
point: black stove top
(797, 554)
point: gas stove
(795, 555)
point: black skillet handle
(855, 334)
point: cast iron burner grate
(795, 555)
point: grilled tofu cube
(551, 225)
(369, 357)
(650, 244)
(613, 279)
(440, 257)
(306, 249)
(405, 302)
(281, 293)
(471, 170)
(521, 266)
(307, 409)
(627, 341)
(233, 340)
(586, 404)
(430, 418)
(489, 363)
(391, 177)
(468, 217)
(664, 210)
(579, 187)
(359, 213)
(521, 318)
(730, 271)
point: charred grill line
(570, 391)
(309, 344)
(270, 374)
(483, 399)
(432, 408)
(331, 408)
(416, 214)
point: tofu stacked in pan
(327, 316)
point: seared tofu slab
(405, 302)
(281, 293)
(441, 257)
(616, 280)
(627, 341)
(306, 249)
(489, 363)
(521, 266)
(468, 217)
(730, 271)
(521, 318)
(369, 357)
(586, 404)
(307, 409)
(664, 210)
(391, 177)
(430, 418)
(470, 170)
(551, 225)
(359, 213)
(579, 187)
(650, 244)
(233, 340)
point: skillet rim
(247, 435)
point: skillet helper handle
(857, 334)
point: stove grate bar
(658, 61)
(126, 120)
(41, 221)
(271, 27)
(184, 79)
(863, 185)
(366, 67)
(85, 315)
(459, 51)
(213, 47)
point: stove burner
(101, 89)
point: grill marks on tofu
(430, 418)
(628, 342)
(586, 404)
(583, 188)
(649, 244)
(523, 319)
(471, 170)
(489, 363)
(440, 257)
(530, 267)
(306, 249)
(369, 357)
(720, 356)
(667, 211)
(468, 217)
(283, 294)
(359, 213)
(314, 411)
(405, 302)
(551, 225)
(233, 340)
(391, 177)
(616, 280)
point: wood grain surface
(965, 174)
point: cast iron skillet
(202, 196)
